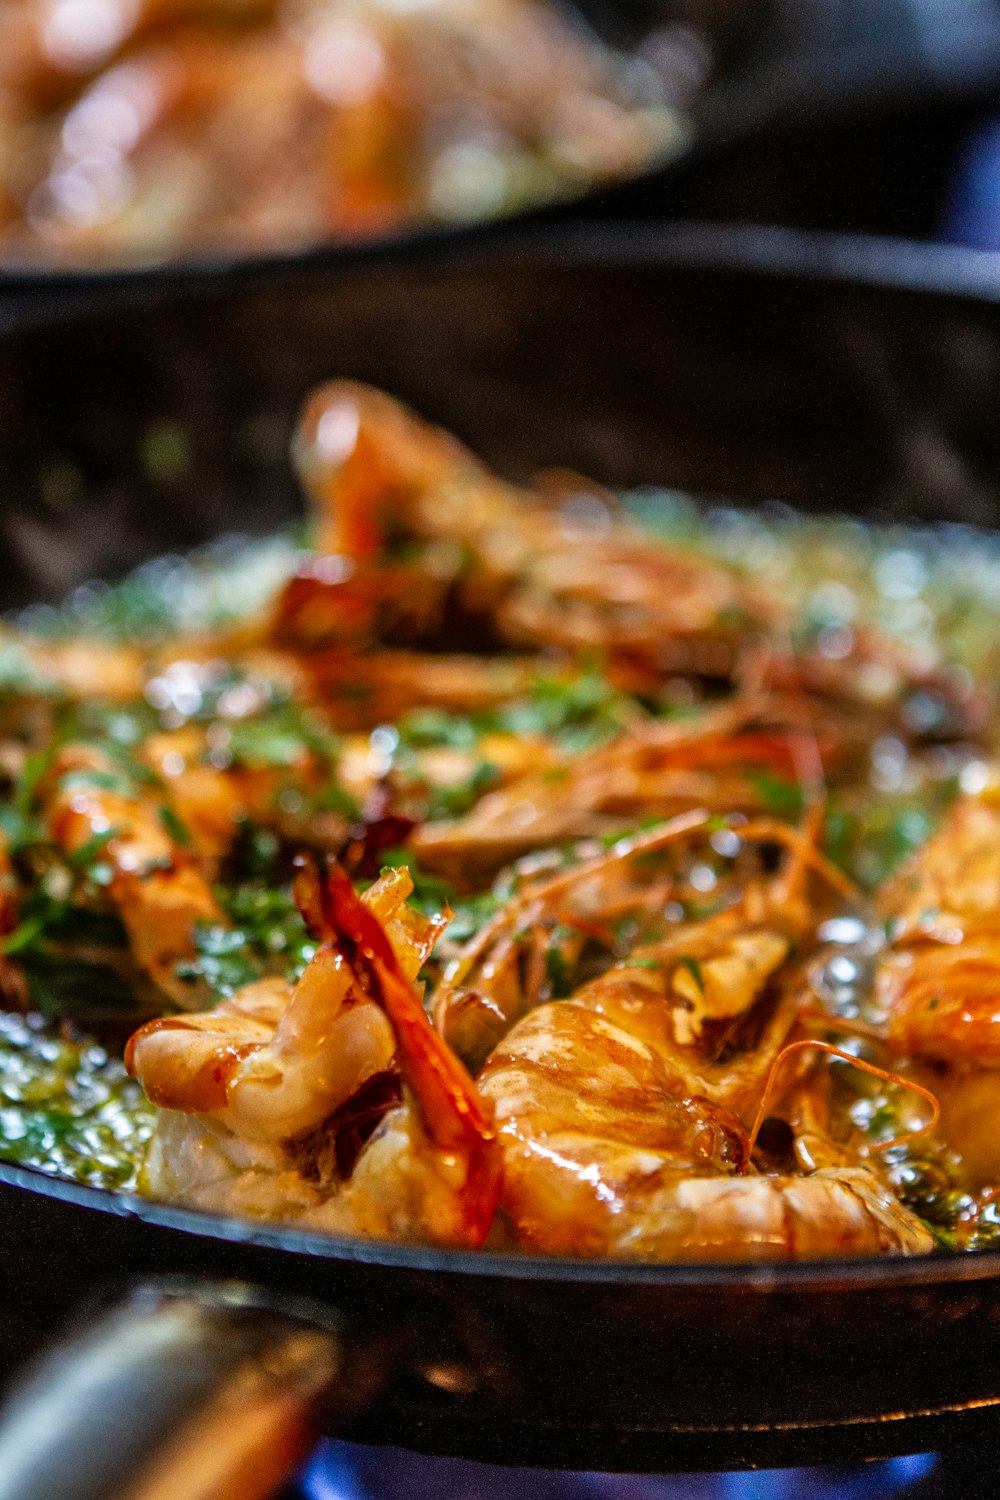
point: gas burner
(347, 1471)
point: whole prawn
(714, 966)
(656, 767)
(530, 572)
(625, 1133)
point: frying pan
(833, 374)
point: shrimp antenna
(866, 1067)
(683, 826)
(802, 843)
(850, 1026)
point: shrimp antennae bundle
(886, 1074)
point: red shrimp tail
(455, 1117)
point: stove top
(348, 1471)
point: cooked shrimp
(250, 1092)
(156, 885)
(375, 471)
(78, 669)
(656, 767)
(538, 574)
(360, 690)
(276, 1059)
(625, 1109)
(714, 967)
(214, 800)
(616, 1143)
(435, 1170)
(940, 978)
(836, 1212)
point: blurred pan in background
(148, 131)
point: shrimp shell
(940, 978)
(605, 1154)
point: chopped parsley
(267, 936)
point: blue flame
(347, 1471)
(889, 1479)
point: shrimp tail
(456, 1119)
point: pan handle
(185, 1391)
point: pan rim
(754, 1278)
(869, 260)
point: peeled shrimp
(250, 1093)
